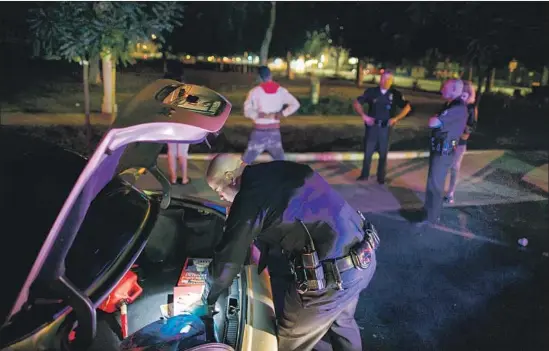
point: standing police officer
(382, 102)
(329, 245)
(447, 127)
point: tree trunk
(113, 73)
(264, 51)
(338, 57)
(95, 72)
(490, 77)
(164, 62)
(106, 106)
(315, 89)
(109, 91)
(470, 73)
(86, 81)
(545, 76)
(480, 78)
(359, 73)
(289, 73)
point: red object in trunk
(125, 292)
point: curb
(321, 156)
(335, 156)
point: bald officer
(383, 101)
(329, 245)
(446, 130)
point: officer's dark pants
(376, 138)
(436, 179)
(307, 318)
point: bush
(500, 111)
(69, 137)
(235, 138)
(329, 105)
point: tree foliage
(481, 33)
(81, 30)
(317, 41)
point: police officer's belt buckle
(381, 123)
(362, 255)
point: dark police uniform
(444, 141)
(286, 204)
(381, 107)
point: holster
(441, 145)
(308, 272)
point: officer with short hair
(383, 101)
(447, 128)
(330, 246)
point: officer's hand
(201, 309)
(392, 121)
(434, 122)
(368, 120)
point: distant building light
(322, 58)
(320, 65)
(298, 65)
(153, 36)
(250, 58)
(277, 61)
(353, 61)
(144, 47)
(238, 59)
(188, 57)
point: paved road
(464, 284)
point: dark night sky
(384, 30)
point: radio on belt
(190, 285)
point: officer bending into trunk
(383, 101)
(329, 245)
(447, 128)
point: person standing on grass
(468, 97)
(379, 121)
(266, 104)
(178, 153)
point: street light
(153, 36)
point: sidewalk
(487, 178)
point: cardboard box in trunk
(190, 285)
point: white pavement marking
(335, 156)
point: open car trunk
(79, 264)
(186, 229)
(183, 230)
